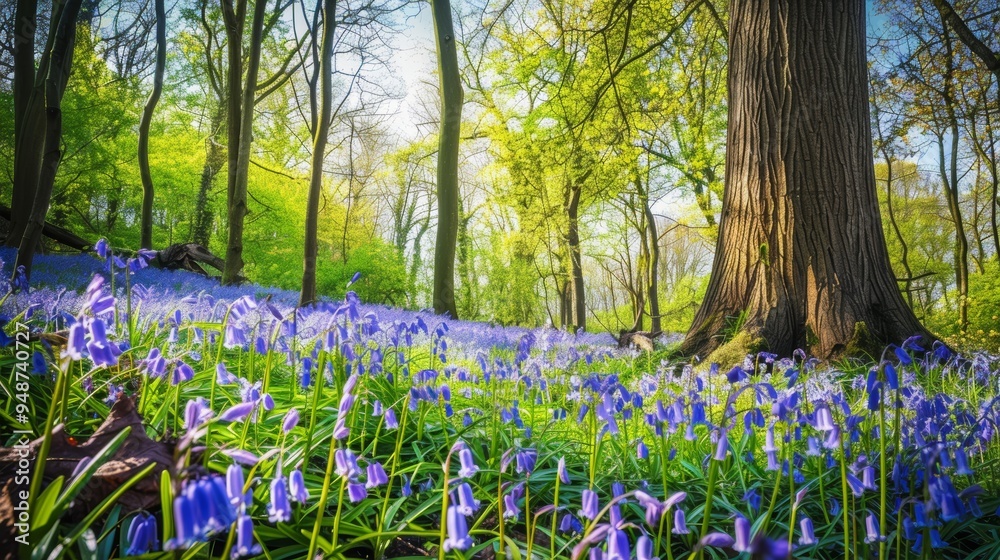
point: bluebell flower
(141, 536)
(346, 464)
(290, 420)
(808, 536)
(561, 469)
(590, 505)
(468, 463)
(222, 375)
(569, 524)
(936, 540)
(356, 492)
(182, 373)
(196, 412)
(742, 541)
(238, 412)
(390, 419)
(716, 539)
(297, 487)
(457, 531)
(467, 504)
(280, 509)
(245, 543)
(872, 532)
(753, 498)
(234, 485)
(376, 475)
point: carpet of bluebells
(346, 430)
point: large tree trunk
(29, 117)
(321, 129)
(60, 64)
(238, 182)
(146, 219)
(447, 163)
(800, 248)
(234, 17)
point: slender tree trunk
(578, 307)
(652, 286)
(949, 180)
(55, 85)
(214, 159)
(447, 164)
(800, 249)
(904, 252)
(320, 132)
(29, 116)
(146, 220)
(232, 273)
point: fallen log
(56, 233)
(65, 453)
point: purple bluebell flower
(280, 509)
(873, 533)
(823, 419)
(245, 543)
(563, 474)
(753, 498)
(719, 540)
(297, 487)
(722, 446)
(569, 524)
(141, 536)
(808, 536)
(238, 412)
(457, 531)
(742, 542)
(376, 475)
(222, 375)
(524, 461)
(347, 464)
(680, 523)
(936, 540)
(234, 484)
(641, 451)
(962, 462)
(196, 412)
(242, 456)
(590, 505)
(390, 419)
(469, 467)
(356, 492)
(290, 420)
(618, 545)
(467, 503)
(182, 373)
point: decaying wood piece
(138, 451)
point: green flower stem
(706, 514)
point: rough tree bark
(60, 64)
(321, 129)
(800, 250)
(447, 164)
(146, 219)
(29, 116)
(239, 160)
